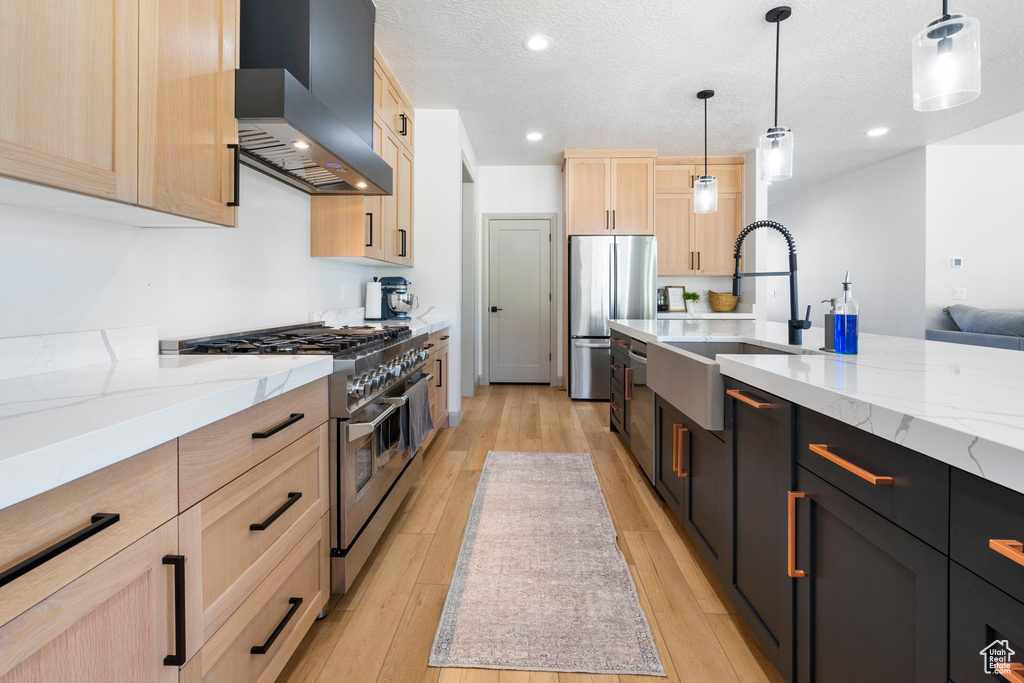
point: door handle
(791, 569)
(1009, 548)
(613, 219)
(691, 260)
(823, 451)
(495, 309)
(265, 647)
(629, 384)
(698, 260)
(370, 216)
(677, 444)
(737, 394)
(607, 213)
(615, 407)
(405, 125)
(235, 201)
(357, 430)
(292, 419)
(178, 658)
(1011, 671)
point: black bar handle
(265, 647)
(178, 658)
(613, 219)
(404, 246)
(292, 419)
(428, 346)
(445, 338)
(440, 368)
(98, 523)
(238, 165)
(495, 309)
(698, 260)
(691, 260)
(405, 124)
(370, 216)
(265, 524)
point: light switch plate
(959, 293)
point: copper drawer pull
(615, 407)
(615, 367)
(677, 442)
(793, 572)
(1011, 671)
(629, 384)
(1011, 549)
(823, 451)
(737, 394)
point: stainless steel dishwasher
(641, 421)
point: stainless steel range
(373, 370)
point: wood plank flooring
(383, 628)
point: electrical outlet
(959, 293)
(771, 293)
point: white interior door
(519, 310)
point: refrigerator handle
(613, 295)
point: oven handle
(399, 401)
(358, 430)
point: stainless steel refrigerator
(609, 278)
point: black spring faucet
(796, 325)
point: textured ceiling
(624, 75)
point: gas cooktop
(341, 342)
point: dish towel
(415, 418)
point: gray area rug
(540, 584)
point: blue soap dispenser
(846, 320)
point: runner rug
(540, 584)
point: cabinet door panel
(404, 198)
(715, 236)
(762, 461)
(389, 205)
(673, 178)
(113, 624)
(70, 70)
(707, 494)
(632, 196)
(674, 229)
(187, 108)
(588, 197)
(729, 176)
(667, 423)
(979, 614)
(873, 604)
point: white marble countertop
(58, 426)
(424, 319)
(960, 404)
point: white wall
(978, 218)
(872, 223)
(64, 273)
(526, 189)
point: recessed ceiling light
(361, 186)
(300, 144)
(534, 137)
(876, 132)
(538, 43)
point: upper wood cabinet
(125, 100)
(609, 195)
(380, 228)
(187, 108)
(697, 244)
(70, 75)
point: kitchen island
(864, 514)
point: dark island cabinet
(871, 598)
(759, 430)
(668, 442)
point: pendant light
(705, 189)
(776, 146)
(947, 62)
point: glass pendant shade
(705, 194)
(947, 63)
(775, 150)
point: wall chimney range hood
(304, 95)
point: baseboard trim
(454, 417)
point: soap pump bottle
(846, 320)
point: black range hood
(304, 95)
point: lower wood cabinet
(114, 624)
(437, 364)
(871, 598)
(760, 431)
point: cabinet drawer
(273, 620)
(617, 411)
(979, 615)
(912, 490)
(982, 512)
(141, 491)
(286, 494)
(214, 455)
(438, 340)
(618, 373)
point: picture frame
(676, 299)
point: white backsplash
(36, 354)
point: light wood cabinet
(187, 119)
(116, 506)
(70, 74)
(674, 219)
(124, 100)
(403, 235)
(437, 364)
(114, 624)
(609, 194)
(696, 244)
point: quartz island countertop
(962, 405)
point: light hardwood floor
(382, 629)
